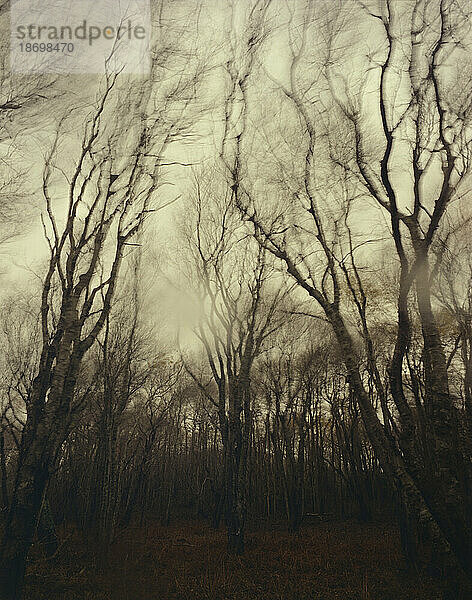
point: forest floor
(188, 561)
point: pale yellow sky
(359, 40)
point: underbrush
(188, 561)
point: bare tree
(238, 314)
(111, 190)
(353, 157)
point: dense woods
(249, 299)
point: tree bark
(442, 538)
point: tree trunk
(442, 538)
(47, 530)
(3, 468)
(21, 524)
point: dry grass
(188, 561)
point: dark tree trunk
(3, 466)
(46, 532)
(431, 515)
(21, 525)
